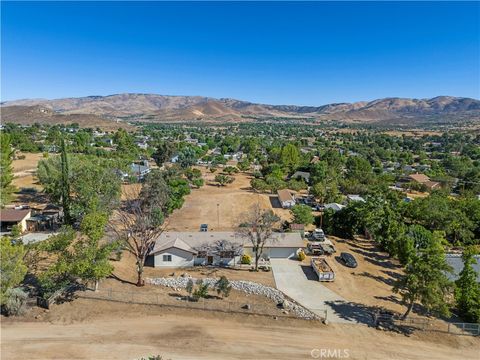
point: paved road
(299, 282)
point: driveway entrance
(299, 282)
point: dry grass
(221, 207)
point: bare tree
(137, 229)
(257, 227)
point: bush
(301, 255)
(201, 291)
(246, 259)
(223, 286)
(15, 302)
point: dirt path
(130, 332)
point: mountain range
(161, 108)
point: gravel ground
(248, 287)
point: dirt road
(133, 331)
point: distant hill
(162, 108)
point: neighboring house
(186, 249)
(139, 170)
(355, 198)
(456, 262)
(432, 185)
(12, 217)
(305, 176)
(315, 160)
(424, 180)
(286, 198)
(419, 178)
(334, 206)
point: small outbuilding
(286, 198)
(12, 217)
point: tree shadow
(113, 276)
(309, 273)
(274, 202)
(382, 279)
(354, 312)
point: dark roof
(13, 215)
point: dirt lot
(24, 171)
(369, 284)
(93, 329)
(233, 200)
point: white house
(186, 249)
(334, 206)
(280, 245)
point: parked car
(204, 227)
(348, 260)
(318, 235)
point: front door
(209, 260)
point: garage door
(283, 253)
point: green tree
(65, 194)
(467, 289)
(425, 278)
(302, 214)
(155, 192)
(12, 267)
(326, 192)
(224, 179)
(92, 184)
(6, 170)
(163, 153)
(290, 156)
(187, 157)
(223, 286)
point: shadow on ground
(275, 202)
(355, 312)
(309, 272)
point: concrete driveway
(299, 282)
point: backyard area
(221, 207)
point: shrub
(301, 255)
(223, 286)
(189, 287)
(201, 291)
(15, 301)
(246, 259)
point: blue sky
(277, 53)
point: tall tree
(6, 171)
(92, 184)
(163, 153)
(65, 183)
(467, 289)
(425, 278)
(290, 156)
(136, 231)
(302, 214)
(257, 228)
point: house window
(167, 258)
